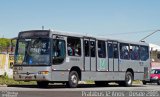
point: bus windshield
(32, 51)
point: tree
(4, 44)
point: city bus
(47, 56)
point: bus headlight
(43, 72)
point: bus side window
(124, 51)
(134, 52)
(58, 51)
(115, 48)
(92, 48)
(74, 46)
(86, 47)
(101, 49)
(110, 50)
(144, 53)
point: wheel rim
(74, 79)
(129, 79)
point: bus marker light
(43, 72)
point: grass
(89, 82)
(137, 82)
(4, 80)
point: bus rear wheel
(42, 84)
(128, 79)
(73, 79)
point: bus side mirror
(11, 49)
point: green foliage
(9, 81)
(4, 43)
(13, 43)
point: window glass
(144, 53)
(115, 52)
(124, 51)
(86, 48)
(101, 49)
(33, 51)
(58, 51)
(92, 48)
(74, 46)
(134, 52)
(157, 71)
(152, 71)
(110, 50)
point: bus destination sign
(34, 34)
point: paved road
(149, 90)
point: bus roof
(74, 34)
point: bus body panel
(103, 76)
(139, 76)
(61, 76)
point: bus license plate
(28, 77)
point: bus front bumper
(32, 77)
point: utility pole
(142, 40)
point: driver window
(58, 51)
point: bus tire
(42, 84)
(73, 79)
(128, 79)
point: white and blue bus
(49, 56)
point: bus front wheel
(73, 79)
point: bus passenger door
(89, 54)
(113, 60)
(93, 54)
(116, 56)
(87, 65)
(102, 61)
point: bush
(4, 80)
